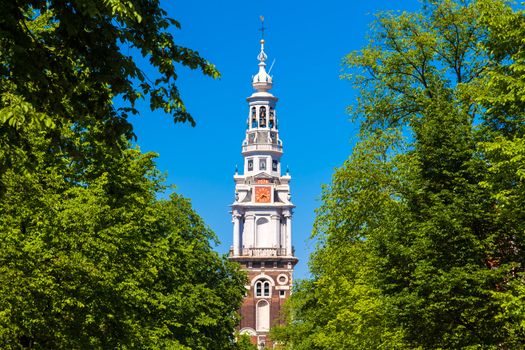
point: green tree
(504, 148)
(244, 343)
(56, 53)
(107, 265)
(90, 257)
(64, 62)
(421, 231)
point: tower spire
(262, 81)
(262, 213)
(262, 55)
(262, 27)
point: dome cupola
(262, 81)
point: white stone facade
(262, 211)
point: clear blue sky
(308, 40)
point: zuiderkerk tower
(262, 214)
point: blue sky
(308, 40)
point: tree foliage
(503, 144)
(421, 230)
(90, 257)
(56, 52)
(64, 62)
(244, 342)
(107, 265)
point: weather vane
(262, 27)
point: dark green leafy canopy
(90, 258)
(63, 63)
(107, 265)
(244, 343)
(503, 145)
(421, 231)
(55, 54)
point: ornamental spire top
(262, 81)
(262, 55)
(263, 28)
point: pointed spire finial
(262, 81)
(262, 27)
(262, 55)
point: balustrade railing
(261, 252)
(261, 147)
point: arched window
(263, 236)
(254, 118)
(262, 117)
(262, 288)
(263, 316)
(266, 289)
(272, 118)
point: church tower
(262, 214)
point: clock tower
(262, 214)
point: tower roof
(262, 81)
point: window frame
(262, 163)
(263, 288)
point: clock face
(262, 194)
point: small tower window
(262, 322)
(254, 118)
(266, 291)
(262, 164)
(262, 117)
(271, 123)
(262, 288)
(250, 164)
(274, 165)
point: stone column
(288, 216)
(236, 233)
(248, 234)
(254, 232)
(277, 229)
